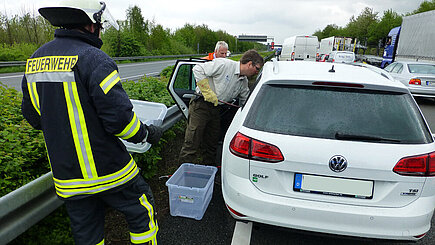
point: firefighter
(73, 93)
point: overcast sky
(278, 18)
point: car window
(397, 68)
(323, 112)
(390, 67)
(422, 68)
(185, 78)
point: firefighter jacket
(72, 91)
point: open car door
(182, 84)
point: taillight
(420, 236)
(252, 149)
(333, 60)
(415, 81)
(240, 145)
(422, 165)
(234, 211)
(293, 56)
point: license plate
(333, 186)
(430, 83)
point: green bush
(22, 155)
(53, 230)
(148, 89)
(167, 72)
(17, 51)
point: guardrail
(24, 207)
(22, 63)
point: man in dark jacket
(73, 93)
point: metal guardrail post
(24, 207)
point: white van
(300, 48)
(341, 57)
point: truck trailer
(413, 40)
(329, 44)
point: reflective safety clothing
(210, 56)
(72, 91)
(135, 201)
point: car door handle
(188, 96)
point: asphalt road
(217, 226)
(128, 71)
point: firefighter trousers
(135, 201)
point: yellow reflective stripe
(79, 131)
(101, 243)
(139, 238)
(80, 183)
(65, 193)
(151, 235)
(110, 81)
(84, 130)
(74, 131)
(35, 93)
(149, 207)
(131, 129)
(32, 95)
(51, 64)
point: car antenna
(332, 69)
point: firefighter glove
(206, 91)
(154, 134)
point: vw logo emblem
(338, 163)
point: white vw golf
(331, 148)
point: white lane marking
(140, 75)
(145, 63)
(12, 76)
(242, 233)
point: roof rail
(275, 66)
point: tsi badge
(410, 192)
(255, 177)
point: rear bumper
(422, 92)
(371, 222)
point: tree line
(21, 35)
(370, 29)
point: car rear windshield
(422, 68)
(338, 113)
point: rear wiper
(343, 136)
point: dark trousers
(135, 201)
(203, 130)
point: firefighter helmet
(75, 13)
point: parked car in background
(323, 58)
(335, 149)
(341, 57)
(419, 77)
